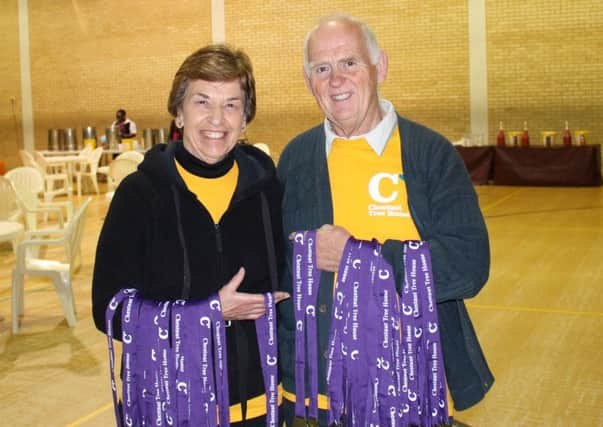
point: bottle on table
(525, 136)
(500, 136)
(567, 136)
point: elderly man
(370, 173)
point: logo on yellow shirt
(386, 191)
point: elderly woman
(202, 216)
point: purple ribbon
(306, 278)
(266, 330)
(384, 362)
(175, 364)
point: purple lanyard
(265, 327)
(182, 384)
(384, 362)
(432, 408)
(305, 283)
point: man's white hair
(368, 35)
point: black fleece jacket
(159, 238)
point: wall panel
(90, 58)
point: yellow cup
(514, 138)
(581, 137)
(548, 138)
(90, 142)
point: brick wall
(545, 65)
(90, 58)
(426, 43)
(10, 86)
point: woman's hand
(241, 305)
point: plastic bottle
(500, 137)
(525, 136)
(567, 136)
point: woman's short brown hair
(214, 63)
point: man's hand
(330, 243)
(241, 305)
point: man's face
(342, 78)
(212, 116)
(120, 116)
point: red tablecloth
(538, 166)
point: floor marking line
(91, 415)
(536, 310)
(501, 200)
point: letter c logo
(383, 274)
(205, 321)
(127, 338)
(299, 238)
(113, 304)
(271, 361)
(163, 334)
(311, 311)
(373, 187)
(414, 245)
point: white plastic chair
(114, 177)
(28, 183)
(88, 168)
(60, 271)
(85, 152)
(56, 177)
(9, 207)
(118, 170)
(264, 147)
(28, 159)
(137, 156)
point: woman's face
(212, 115)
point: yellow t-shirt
(369, 191)
(214, 193)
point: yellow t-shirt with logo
(369, 191)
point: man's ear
(382, 65)
(307, 80)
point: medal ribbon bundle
(384, 362)
(175, 365)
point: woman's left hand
(242, 305)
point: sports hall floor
(539, 318)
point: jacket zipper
(219, 250)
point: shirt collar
(377, 137)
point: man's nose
(336, 77)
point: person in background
(366, 171)
(124, 127)
(189, 223)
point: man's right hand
(330, 243)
